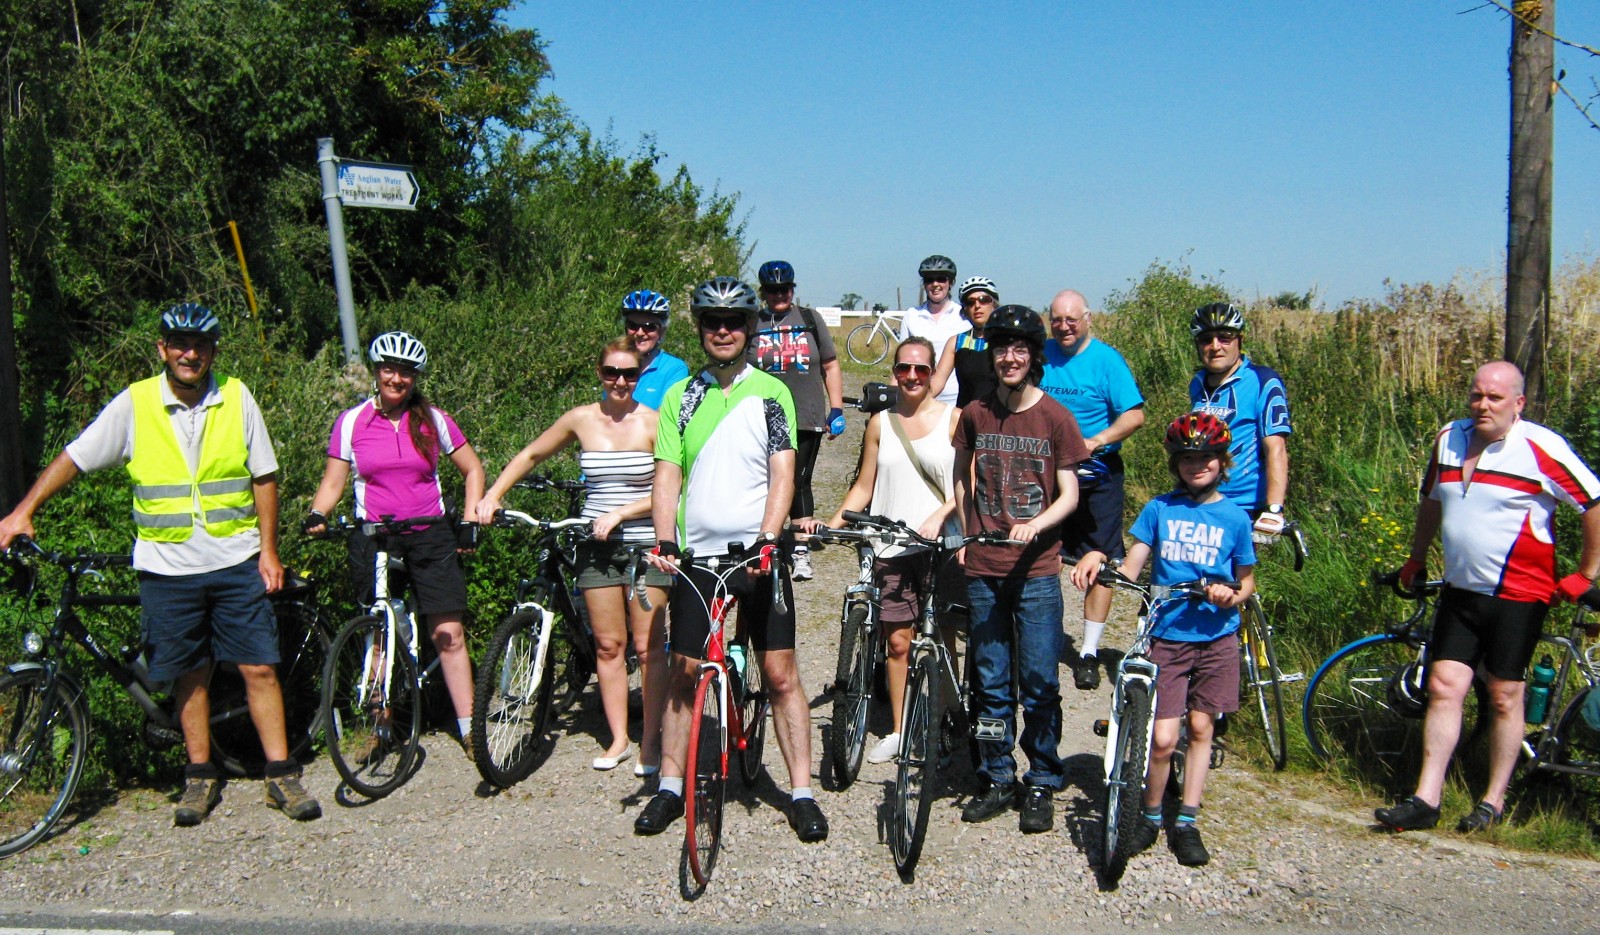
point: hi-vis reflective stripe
(160, 491)
(217, 487)
(162, 520)
(223, 515)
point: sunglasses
(721, 322)
(648, 327)
(904, 369)
(777, 289)
(1220, 337)
(930, 280)
(978, 298)
(631, 374)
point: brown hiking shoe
(286, 794)
(199, 797)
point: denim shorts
(190, 621)
(1096, 525)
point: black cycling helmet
(776, 273)
(1218, 316)
(724, 293)
(937, 265)
(1010, 322)
(190, 318)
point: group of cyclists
(1005, 421)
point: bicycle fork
(1128, 671)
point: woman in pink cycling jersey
(390, 446)
(617, 441)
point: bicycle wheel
(867, 343)
(707, 774)
(37, 779)
(371, 707)
(753, 705)
(302, 655)
(852, 692)
(511, 702)
(916, 777)
(1125, 790)
(1348, 717)
(1262, 687)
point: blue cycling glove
(835, 422)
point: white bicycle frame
(395, 612)
(546, 616)
(1136, 667)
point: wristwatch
(1275, 508)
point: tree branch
(1537, 28)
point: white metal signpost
(360, 185)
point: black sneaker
(1481, 818)
(663, 809)
(807, 820)
(1038, 810)
(1086, 673)
(1144, 835)
(1409, 814)
(1184, 840)
(991, 803)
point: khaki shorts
(604, 564)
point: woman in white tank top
(617, 438)
(896, 480)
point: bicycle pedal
(1218, 754)
(161, 738)
(990, 728)
(1292, 677)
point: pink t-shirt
(391, 477)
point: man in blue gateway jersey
(645, 315)
(1252, 400)
(1093, 381)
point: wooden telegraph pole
(1528, 202)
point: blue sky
(1275, 145)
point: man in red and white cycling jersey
(1491, 488)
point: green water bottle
(1544, 675)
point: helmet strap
(172, 376)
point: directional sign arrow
(377, 185)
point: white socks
(1091, 637)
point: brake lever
(775, 569)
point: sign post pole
(328, 164)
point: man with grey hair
(1490, 491)
(1092, 380)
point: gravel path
(1289, 853)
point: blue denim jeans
(1020, 616)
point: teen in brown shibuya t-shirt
(1015, 457)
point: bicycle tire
(302, 655)
(917, 774)
(37, 791)
(1125, 793)
(571, 652)
(1262, 684)
(867, 344)
(852, 692)
(372, 736)
(511, 703)
(707, 775)
(1577, 747)
(1348, 718)
(753, 704)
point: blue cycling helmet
(190, 318)
(646, 300)
(776, 273)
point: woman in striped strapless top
(617, 438)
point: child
(1193, 532)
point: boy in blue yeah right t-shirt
(1190, 533)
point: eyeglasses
(904, 369)
(398, 370)
(1220, 337)
(648, 326)
(1011, 349)
(978, 298)
(631, 374)
(709, 322)
(930, 280)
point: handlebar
(1419, 590)
(384, 526)
(896, 532)
(81, 560)
(544, 482)
(511, 519)
(1112, 578)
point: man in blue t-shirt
(1092, 380)
(1252, 400)
(644, 317)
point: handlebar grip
(1590, 598)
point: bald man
(1491, 488)
(1092, 380)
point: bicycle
(373, 683)
(1263, 681)
(730, 709)
(861, 656)
(1567, 741)
(1131, 724)
(44, 709)
(870, 342)
(1366, 701)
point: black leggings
(807, 444)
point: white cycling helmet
(979, 284)
(398, 347)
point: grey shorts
(604, 564)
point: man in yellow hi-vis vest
(205, 513)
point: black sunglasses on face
(648, 327)
(930, 280)
(611, 373)
(720, 322)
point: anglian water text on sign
(377, 185)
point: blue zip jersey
(1255, 405)
(661, 373)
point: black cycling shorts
(432, 564)
(1500, 634)
(690, 625)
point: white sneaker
(801, 570)
(885, 750)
